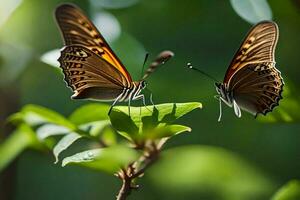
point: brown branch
(126, 186)
(128, 175)
(149, 160)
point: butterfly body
(91, 68)
(252, 82)
(133, 92)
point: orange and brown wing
(83, 74)
(258, 47)
(77, 29)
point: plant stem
(128, 175)
(126, 187)
(148, 162)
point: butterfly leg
(111, 107)
(129, 101)
(141, 96)
(114, 103)
(151, 100)
(227, 102)
(151, 97)
(144, 102)
(220, 115)
(217, 97)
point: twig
(128, 175)
(149, 160)
(126, 186)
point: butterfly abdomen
(130, 92)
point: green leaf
(198, 170)
(64, 143)
(100, 129)
(36, 115)
(166, 131)
(85, 156)
(290, 191)
(253, 11)
(288, 109)
(108, 136)
(144, 119)
(90, 113)
(22, 138)
(109, 159)
(48, 130)
(95, 128)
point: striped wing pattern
(255, 83)
(77, 29)
(258, 47)
(257, 88)
(83, 74)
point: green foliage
(166, 131)
(87, 121)
(199, 170)
(25, 36)
(47, 130)
(150, 122)
(290, 191)
(89, 113)
(109, 159)
(19, 140)
(92, 122)
(64, 143)
(35, 115)
(253, 11)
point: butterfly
(91, 68)
(252, 83)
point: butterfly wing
(83, 74)
(257, 88)
(252, 77)
(258, 47)
(76, 28)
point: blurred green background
(235, 159)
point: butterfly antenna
(190, 66)
(220, 116)
(144, 63)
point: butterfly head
(224, 93)
(220, 89)
(143, 84)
